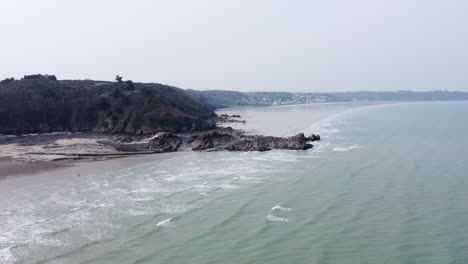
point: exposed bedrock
(227, 139)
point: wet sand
(12, 167)
(40, 153)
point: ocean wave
(141, 199)
(277, 156)
(341, 149)
(143, 190)
(6, 256)
(165, 223)
(329, 131)
(229, 186)
(138, 212)
(280, 208)
(272, 218)
(246, 178)
(346, 149)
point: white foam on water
(229, 186)
(203, 186)
(138, 212)
(273, 218)
(313, 157)
(175, 208)
(85, 210)
(165, 223)
(346, 149)
(102, 205)
(280, 208)
(74, 209)
(329, 131)
(277, 156)
(142, 199)
(246, 178)
(341, 149)
(6, 256)
(170, 179)
(143, 190)
(41, 220)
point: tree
(119, 78)
(130, 85)
(7, 80)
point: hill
(41, 103)
(219, 99)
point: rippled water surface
(387, 184)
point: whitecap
(137, 212)
(346, 149)
(330, 131)
(41, 220)
(280, 208)
(74, 209)
(246, 178)
(142, 190)
(229, 186)
(102, 205)
(166, 222)
(341, 149)
(273, 218)
(142, 199)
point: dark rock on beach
(165, 142)
(85, 119)
(228, 139)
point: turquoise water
(387, 184)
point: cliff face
(40, 104)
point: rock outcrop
(228, 139)
(165, 142)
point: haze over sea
(387, 184)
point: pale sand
(36, 157)
(259, 120)
(17, 159)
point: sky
(243, 45)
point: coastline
(33, 153)
(10, 167)
(258, 120)
(45, 152)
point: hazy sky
(327, 45)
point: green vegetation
(41, 104)
(219, 99)
(103, 83)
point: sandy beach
(29, 154)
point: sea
(388, 183)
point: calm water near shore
(387, 184)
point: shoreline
(259, 121)
(38, 153)
(10, 167)
(29, 154)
